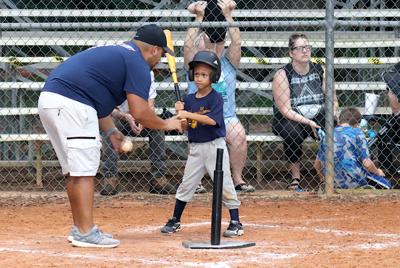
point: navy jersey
(101, 76)
(212, 106)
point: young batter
(203, 111)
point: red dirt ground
(300, 231)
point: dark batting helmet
(209, 58)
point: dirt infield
(305, 231)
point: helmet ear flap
(191, 74)
(214, 76)
(217, 70)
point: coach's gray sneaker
(235, 228)
(94, 239)
(171, 226)
(74, 230)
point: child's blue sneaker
(378, 182)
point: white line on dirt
(249, 256)
(325, 230)
(64, 254)
(365, 246)
(257, 257)
(151, 229)
(377, 246)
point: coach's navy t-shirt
(212, 106)
(101, 76)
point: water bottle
(321, 134)
(364, 126)
(371, 133)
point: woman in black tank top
(298, 91)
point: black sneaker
(235, 228)
(171, 226)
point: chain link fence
(354, 41)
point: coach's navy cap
(153, 35)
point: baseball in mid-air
(126, 145)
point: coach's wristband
(111, 131)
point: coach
(78, 98)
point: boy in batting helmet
(203, 111)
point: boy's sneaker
(171, 226)
(235, 228)
(245, 188)
(94, 239)
(74, 231)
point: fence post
(329, 86)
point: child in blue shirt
(353, 166)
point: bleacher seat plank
(265, 86)
(180, 35)
(245, 62)
(14, 111)
(167, 13)
(85, 41)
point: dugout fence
(355, 41)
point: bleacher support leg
(38, 164)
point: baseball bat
(172, 64)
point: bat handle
(177, 92)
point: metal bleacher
(34, 31)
